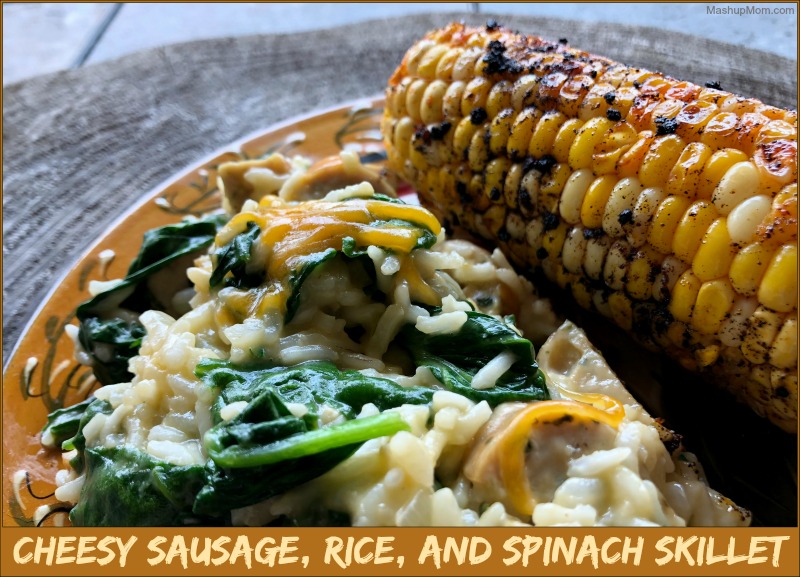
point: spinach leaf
(233, 258)
(227, 489)
(126, 487)
(312, 383)
(78, 442)
(63, 424)
(299, 276)
(111, 339)
(265, 450)
(455, 358)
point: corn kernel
(660, 159)
(619, 208)
(739, 183)
(748, 268)
(692, 228)
(646, 205)
(451, 102)
(544, 135)
(714, 300)
(778, 289)
(564, 138)
(569, 205)
(432, 102)
(762, 329)
(665, 221)
(715, 254)
(522, 132)
(594, 203)
(684, 296)
(621, 310)
(476, 94)
(588, 137)
(718, 164)
(499, 98)
(783, 353)
(685, 175)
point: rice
(434, 473)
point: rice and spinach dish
(321, 353)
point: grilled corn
(668, 207)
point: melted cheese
(290, 233)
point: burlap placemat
(81, 146)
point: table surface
(47, 37)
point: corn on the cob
(669, 207)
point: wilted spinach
(112, 340)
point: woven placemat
(81, 146)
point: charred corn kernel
(446, 64)
(594, 203)
(646, 205)
(778, 288)
(660, 159)
(430, 61)
(595, 256)
(748, 268)
(777, 129)
(524, 91)
(522, 132)
(616, 266)
(692, 228)
(762, 328)
(714, 300)
(665, 222)
(588, 137)
(739, 183)
(544, 135)
(617, 141)
(478, 153)
(564, 138)
(716, 167)
(414, 99)
(715, 253)
(432, 102)
(748, 129)
(630, 162)
(500, 131)
(684, 296)
(776, 162)
(416, 54)
(691, 121)
(595, 103)
(512, 185)
(734, 327)
(572, 94)
(743, 220)
(451, 103)
(495, 173)
(499, 98)
(621, 310)
(720, 131)
(639, 276)
(667, 207)
(671, 270)
(707, 355)
(553, 240)
(574, 249)
(462, 137)
(551, 187)
(572, 197)
(685, 175)
(619, 208)
(464, 67)
(783, 353)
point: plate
(745, 457)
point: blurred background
(46, 37)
